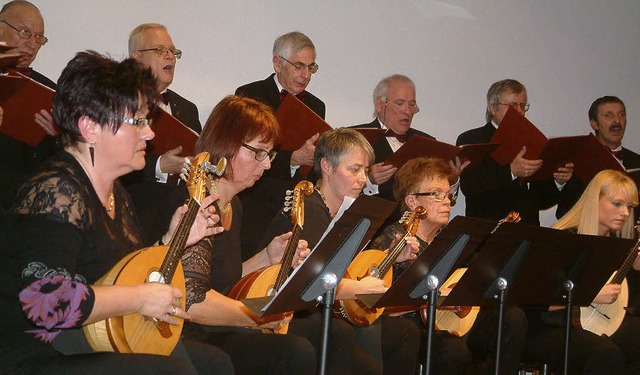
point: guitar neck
(178, 241)
(390, 259)
(626, 265)
(287, 257)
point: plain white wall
(567, 53)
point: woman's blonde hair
(584, 214)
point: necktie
(284, 93)
(618, 154)
(402, 138)
(165, 98)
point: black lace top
(59, 239)
(214, 262)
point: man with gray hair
(22, 27)
(394, 102)
(491, 191)
(294, 62)
(151, 44)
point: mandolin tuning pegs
(286, 209)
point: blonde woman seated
(604, 209)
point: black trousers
(588, 353)
(482, 337)
(189, 357)
(253, 352)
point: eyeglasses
(399, 105)
(300, 66)
(439, 196)
(260, 153)
(139, 123)
(26, 34)
(162, 51)
(523, 106)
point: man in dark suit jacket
(294, 56)
(22, 26)
(395, 105)
(491, 191)
(608, 119)
(151, 44)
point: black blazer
(264, 200)
(383, 151)
(490, 192)
(148, 196)
(19, 159)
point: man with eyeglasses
(151, 44)
(491, 191)
(294, 62)
(22, 27)
(394, 100)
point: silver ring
(174, 311)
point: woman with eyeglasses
(342, 159)
(72, 221)
(244, 132)
(425, 182)
(604, 209)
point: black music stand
(537, 266)
(452, 247)
(316, 279)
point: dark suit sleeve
(569, 195)
(487, 178)
(185, 111)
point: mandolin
(378, 264)
(268, 280)
(458, 320)
(135, 333)
(605, 318)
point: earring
(91, 152)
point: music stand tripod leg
(432, 284)
(568, 287)
(327, 301)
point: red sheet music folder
(418, 146)
(21, 98)
(514, 132)
(171, 133)
(298, 123)
(371, 134)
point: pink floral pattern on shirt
(53, 303)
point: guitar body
(135, 333)
(457, 320)
(352, 310)
(593, 320)
(259, 283)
